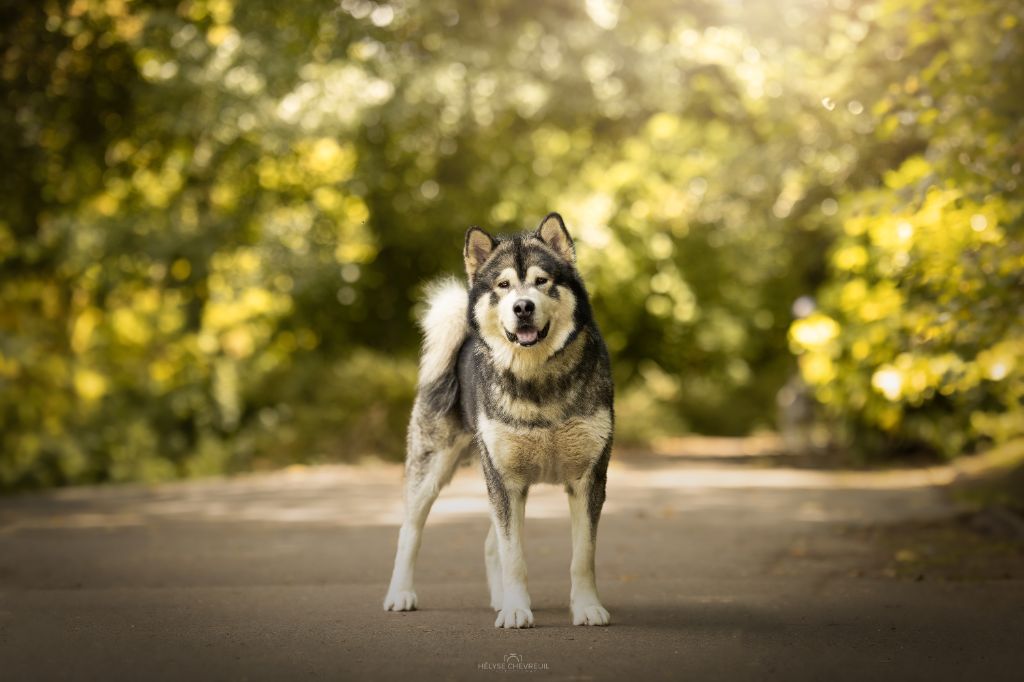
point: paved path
(713, 566)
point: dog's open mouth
(527, 334)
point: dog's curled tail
(445, 327)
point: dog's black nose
(523, 308)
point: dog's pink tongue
(528, 335)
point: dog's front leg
(586, 497)
(508, 512)
(492, 561)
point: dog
(513, 369)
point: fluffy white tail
(445, 327)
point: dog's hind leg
(586, 498)
(492, 559)
(429, 466)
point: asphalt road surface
(715, 564)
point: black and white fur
(513, 368)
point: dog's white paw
(514, 617)
(400, 600)
(590, 614)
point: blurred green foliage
(216, 215)
(921, 334)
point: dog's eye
(541, 280)
(503, 284)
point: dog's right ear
(479, 246)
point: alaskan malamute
(514, 368)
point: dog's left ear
(553, 233)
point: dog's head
(526, 298)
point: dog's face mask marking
(525, 306)
(522, 291)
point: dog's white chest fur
(551, 454)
